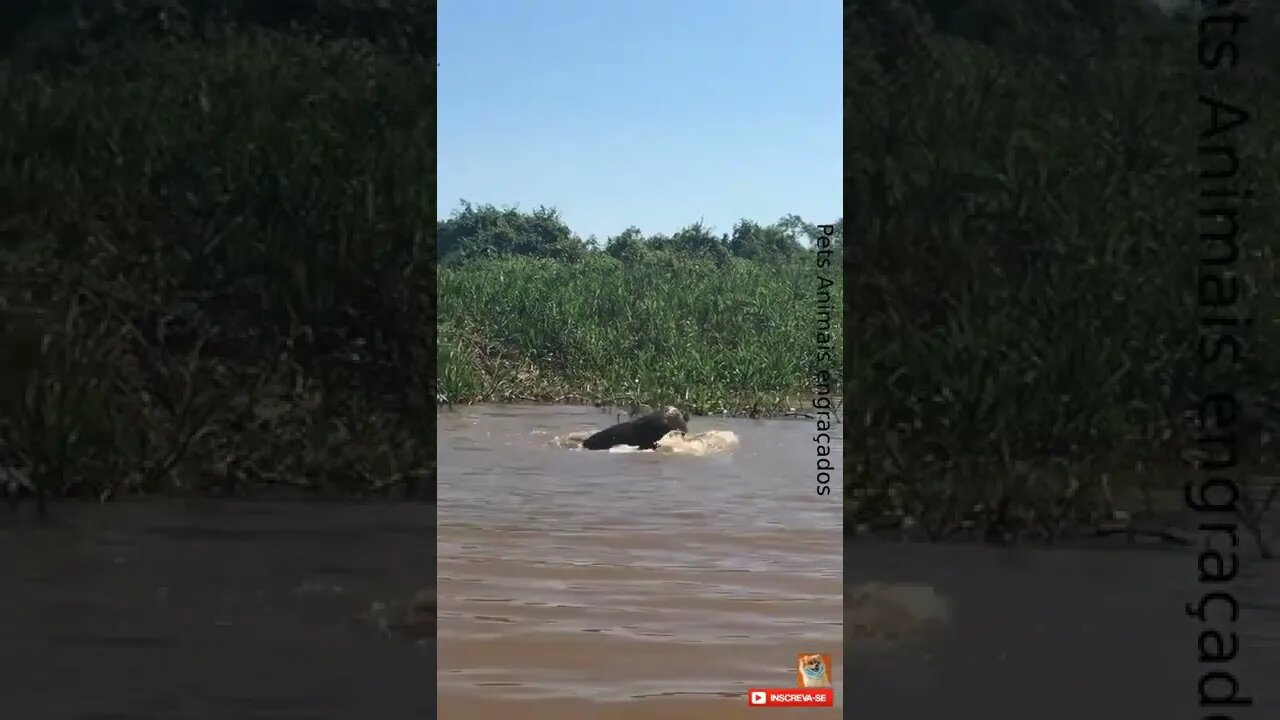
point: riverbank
(730, 338)
(1057, 504)
(797, 408)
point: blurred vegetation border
(216, 263)
(1022, 304)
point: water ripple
(620, 576)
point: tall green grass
(735, 338)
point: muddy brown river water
(579, 584)
(588, 585)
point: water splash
(711, 442)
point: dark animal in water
(642, 432)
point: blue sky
(654, 113)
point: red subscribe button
(791, 697)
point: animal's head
(676, 418)
(812, 666)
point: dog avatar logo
(813, 686)
(813, 670)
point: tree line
(486, 231)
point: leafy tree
(697, 240)
(772, 242)
(628, 246)
(488, 231)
